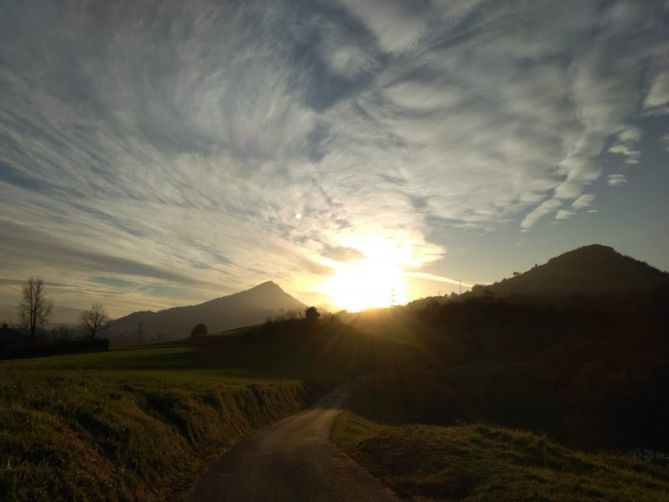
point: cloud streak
(438, 278)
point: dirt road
(292, 461)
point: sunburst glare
(376, 279)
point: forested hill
(593, 269)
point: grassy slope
(85, 436)
(141, 423)
(483, 462)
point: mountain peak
(267, 284)
(266, 289)
(592, 249)
(265, 293)
(595, 247)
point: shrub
(199, 330)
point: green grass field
(485, 462)
(141, 423)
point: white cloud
(438, 278)
(632, 156)
(615, 180)
(395, 23)
(564, 214)
(603, 100)
(463, 130)
(630, 134)
(583, 201)
(625, 145)
(658, 93)
(422, 96)
(540, 212)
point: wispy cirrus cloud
(658, 93)
(615, 180)
(211, 145)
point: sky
(164, 153)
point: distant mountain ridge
(251, 306)
(593, 269)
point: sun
(374, 280)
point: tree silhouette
(95, 320)
(199, 330)
(34, 308)
(312, 314)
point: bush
(199, 330)
(312, 314)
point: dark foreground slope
(487, 462)
(245, 308)
(501, 432)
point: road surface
(292, 461)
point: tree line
(35, 311)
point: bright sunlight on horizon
(376, 278)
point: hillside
(593, 269)
(248, 307)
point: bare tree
(95, 320)
(34, 308)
